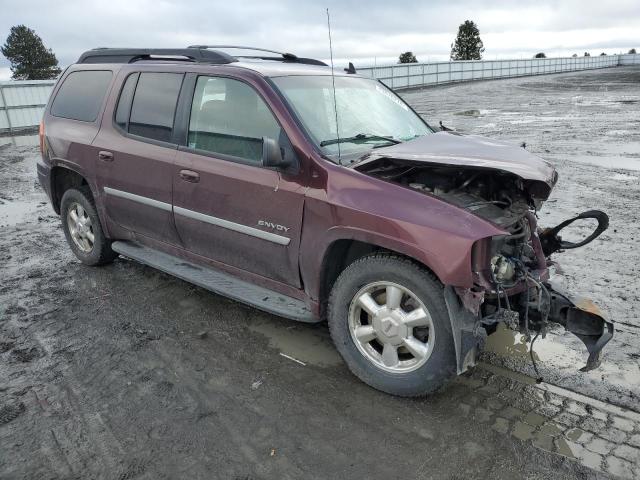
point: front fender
(447, 255)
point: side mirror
(272, 155)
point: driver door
(227, 207)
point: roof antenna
(333, 81)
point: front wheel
(389, 321)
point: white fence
(22, 102)
(423, 74)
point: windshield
(369, 114)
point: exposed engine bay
(511, 274)
(500, 197)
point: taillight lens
(41, 135)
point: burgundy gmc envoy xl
(314, 195)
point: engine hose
(526, 310)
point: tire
(90, 252)
(420, 369)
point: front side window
(369, 114)
(154, 105)
(81, 95)
(228, 117)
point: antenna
(333, 81)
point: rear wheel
(82, 228)
(389, 321)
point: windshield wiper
(359, 137)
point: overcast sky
(363, 31)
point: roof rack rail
(130, 55)
(286, 57)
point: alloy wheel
(391, 327)
(80, 227)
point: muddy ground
(588, 125)
(123, 372)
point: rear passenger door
(136, 154)
(227, 207)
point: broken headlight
(502, 269)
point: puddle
(624, 177)
(469, 113)
(559, 351)
(508, 343)
(565, 449)
(536, 119)
(302, 342)
(609, 161)
(619, 133)
(611, 155)
(14, 212)
(20, 140)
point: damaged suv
(311, 194)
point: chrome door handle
(105, 156)
(189, 176)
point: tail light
(41, 135)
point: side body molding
(220, 222)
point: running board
(218, 282)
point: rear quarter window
(154, 105)
(81, 95)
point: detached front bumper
(529, 304)
(578, 315)
(583, 318)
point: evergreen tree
(30, 59)
(632, 51)
(468, 45)
(407, 57)
(540, 55)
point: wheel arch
(342, 252)
(62, 179)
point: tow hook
(584, 319)
(552, 242)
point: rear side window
(81, 94)
(154, 105)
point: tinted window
(154, 105)
(80, 96)
(124, 103)
(230, 118)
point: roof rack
(285, 57)
(130, 55)
(194, 53)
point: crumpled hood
(452, 148)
